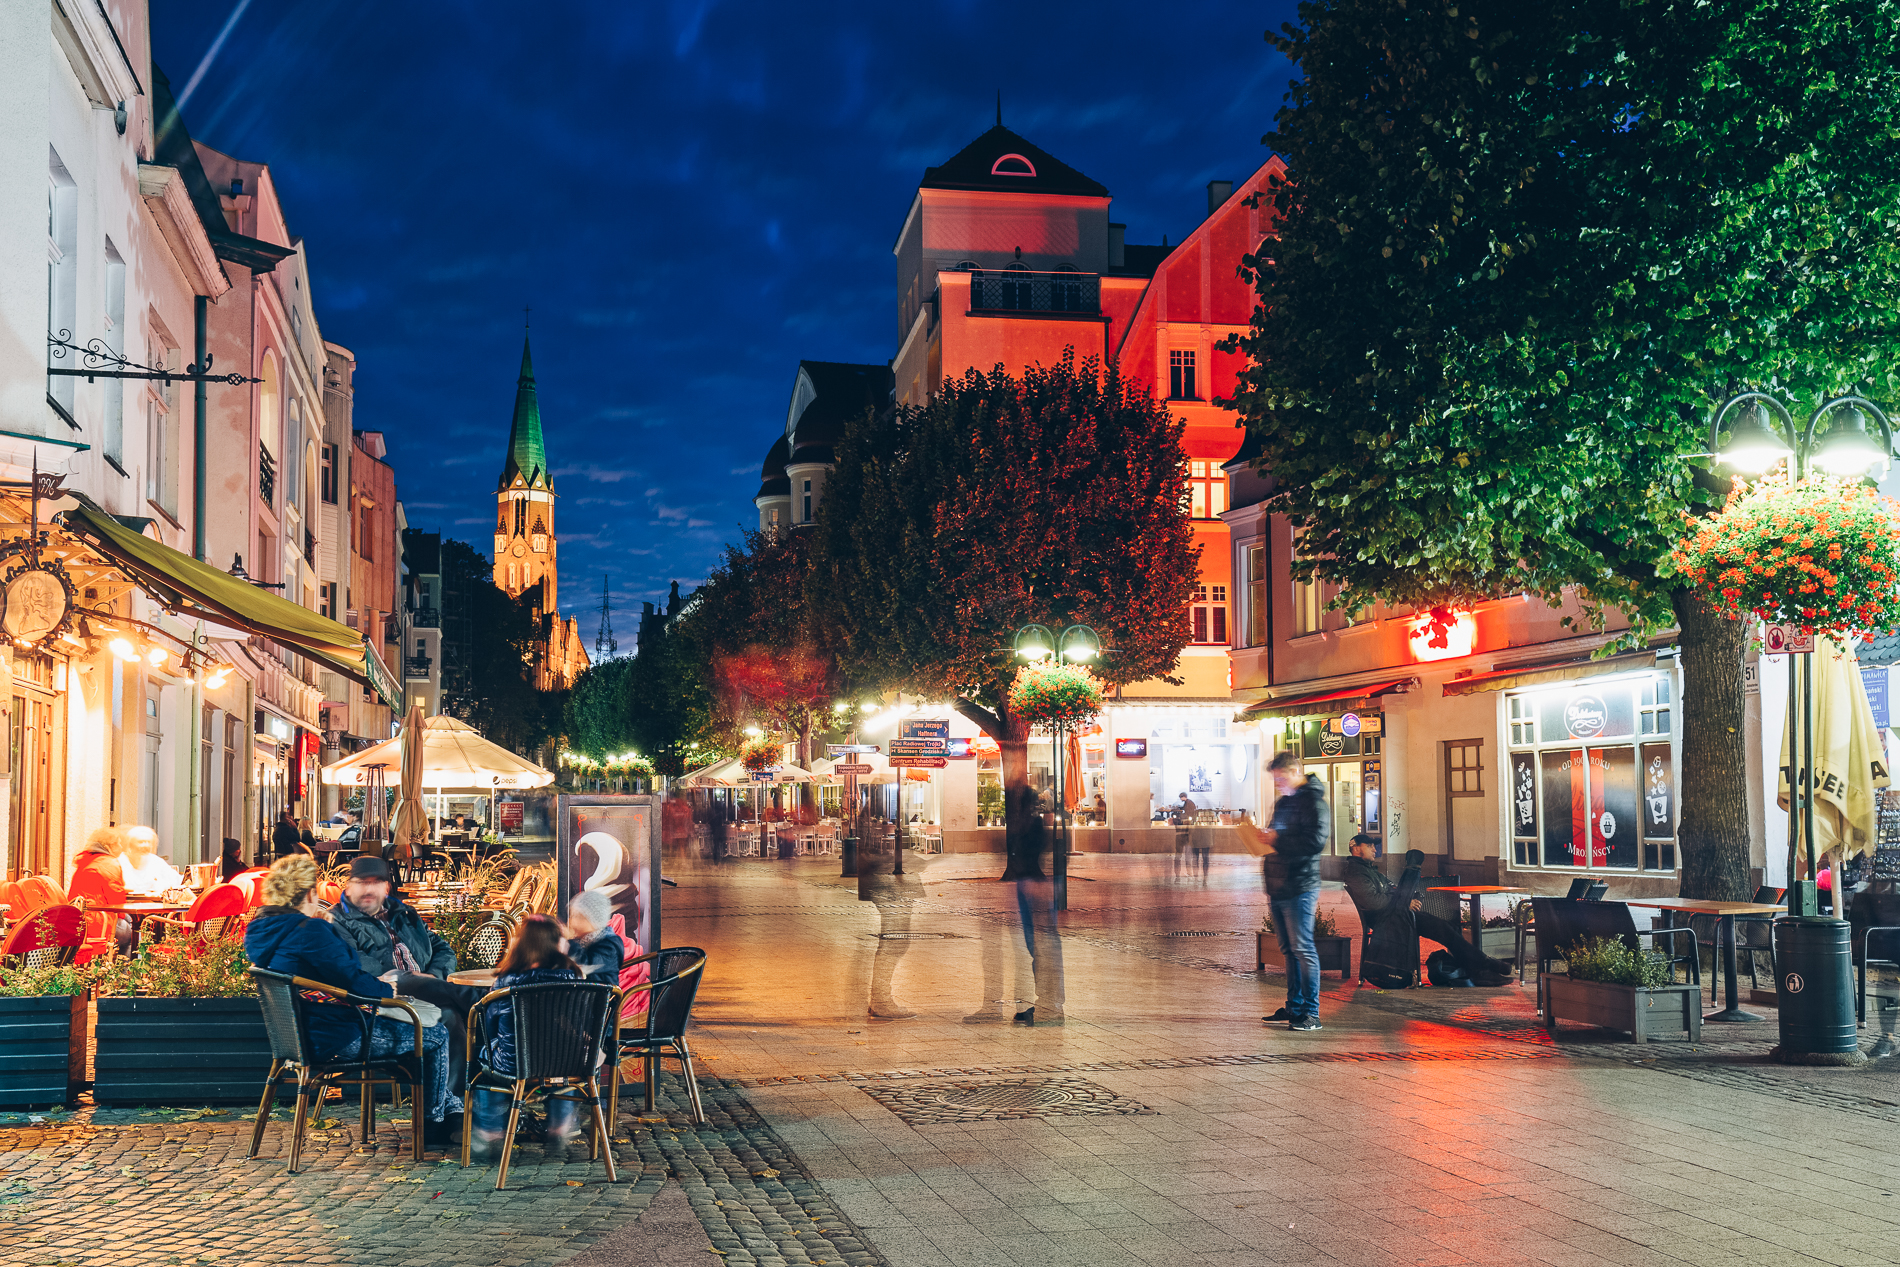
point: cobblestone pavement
(870, 1103)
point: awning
(1347, 700)
(196, 590)
(1555, 671)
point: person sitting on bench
(1372, 893)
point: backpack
(1442, 970)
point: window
(263, 565)
(1258, 616)
(1206, 490)
(366, 536)
(62, 277)
(521, 516)
(1592, 773)
(1181, 376)
(326, 600)
(807, 518)
(1207, 615)
(115, 341)
(1464, 767)
(329, 474)
(161, 482)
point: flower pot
(42, 1050)
(1638, 1011)
(1335, 954)
(180, 1051)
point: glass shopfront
(1192, 752)
(1592, 769)
(1351, 767)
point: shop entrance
(1345, 792)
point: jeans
(1042, 936)
(490, 1116)
(393, 1038)
(1293, 925)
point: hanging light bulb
(123, 648)
(157, 656)
(218, 677)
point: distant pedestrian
(284, 837)
(1184, 812)
(1301, 824)
(716, 820)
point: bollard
(1814, 967)
(848, 851)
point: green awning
(195, 589)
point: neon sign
(1454, 640)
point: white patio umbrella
(454, 755)
(725, 772)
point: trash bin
(1814, 963)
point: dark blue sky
(691, 195)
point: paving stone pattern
(932, 1103)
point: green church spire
(527, 452)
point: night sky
(692, 196)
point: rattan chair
(562, 1031)
(282, 999)
(48, 937)
(676, 974)
(490, 942)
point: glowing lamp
(1080, 643)
(1459, 638)
(1847, 449)
(217, 678)
(157, 656)
(1754, 445)
(1033, 643)
(123, 648)
(754, 731)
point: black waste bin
(1814, 962)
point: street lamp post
(1813, 955)
(1079, 644)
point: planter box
(1640, 1013)
(1335, 954)
(180, 1051)
(42, 1050)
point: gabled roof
(527, 452)
(999, 160)
(172, 147)
(839, 391)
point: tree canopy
(488, 655)
(1051, 498)
(1521, 252)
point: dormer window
(1012, 165)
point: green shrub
(1610, 960)
(220, 971)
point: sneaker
(1026, 1017)
(1281, 1015)
(1305, 1023)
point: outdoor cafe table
(1725, 913)
(474, 976)
(137, 911)
(1476, 892)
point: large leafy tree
(1521, 253)
(489, 642)
(1051, 498)
(599, 713)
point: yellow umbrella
(1850, 764)
(409, 829)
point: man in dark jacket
(385, 931)
(1372, 894)
(1301, 825)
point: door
(31, 824)
(1345, 788)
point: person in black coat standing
(284, 837)
(1301, 824)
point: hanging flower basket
(1820, 555)
(761, 754)
(1055, 695)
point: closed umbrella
(409, 829)
(1850, 764)
(1072, 771)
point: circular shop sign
(36, 602)
(1349, 724)
(1795, 983)
(1606, 825)
(1585, 716)
(1331, 745)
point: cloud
(595, 473)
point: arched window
(521, 516)
(1012, 165)
(1017, 290)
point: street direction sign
(918, 747)
(919, 763)
(850, 769)
(924, 728)
(833, 749)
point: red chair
(218, 913)
(50, 936)
(252, 882)
(11, 899)
(37, 892)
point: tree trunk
(1713, 833)
(1022, 845)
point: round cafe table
(474, 976)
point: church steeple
(524, 502)
(527, 452)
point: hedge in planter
(1611, 985)
(175, 1029)
(42, 1036)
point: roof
(774, 482)
(172, 147)
(1002, 161)
(527, 451)
(839, 392)
(1140, 261)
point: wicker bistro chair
(490, 942)
(676, 974)
(49, 937)
(562, 1031)
(218, 914)
(283, 1002)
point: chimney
(1218, 192)
(1117, 236)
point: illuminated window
(1012, 165)
(1207, 615)
(1206, 490)
(1307, 607)
(1181, 384)
(1257, 616)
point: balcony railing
(1018, 290)
(266, 476)
(416, 668)
(426, 618)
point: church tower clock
(524, 502)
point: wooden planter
(1335, 954)
(180, 1051)
(42, 1050)
(1640, 1013)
